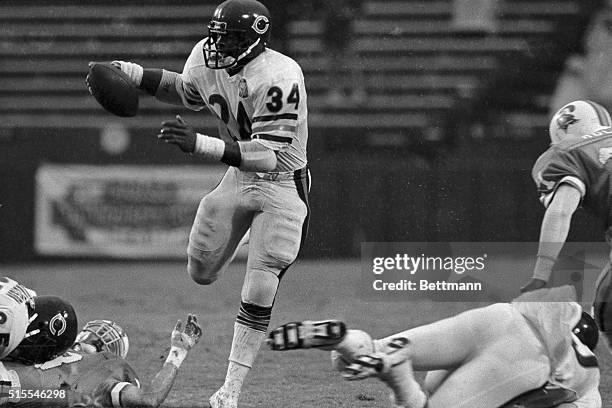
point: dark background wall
(478, 191)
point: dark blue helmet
(52, 330)
(586, 330)
(238, 29)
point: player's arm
(164, 85)
(553, 232)
(127, 395)
(246, 155)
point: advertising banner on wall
(118, 211)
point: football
(113, 89)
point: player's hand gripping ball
(112, 88)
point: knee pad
(260, 286)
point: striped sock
(254, 316)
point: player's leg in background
(602, 305)
(496, 354)
(275, 239)
(218, 228)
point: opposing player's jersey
(99, 376)
(265, 101)
(573, 365)
(583, 162)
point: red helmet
(237, 29)
(52, 330)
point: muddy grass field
(148, 298)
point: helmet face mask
(237, 29)
(103, 335)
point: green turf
(147, 298)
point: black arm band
(231, 154)
(151, 78)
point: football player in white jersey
(533, 352)
(14, 314)
(259, 97)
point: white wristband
(116, 394)
(133, 70)
(209, 147)
(176, 356)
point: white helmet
(578, 118)
(104, 335)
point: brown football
(113, 89)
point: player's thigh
(511, 361)
(277, 232)
(219, 225)
(487, 382)
(274, 244)
(448, 342)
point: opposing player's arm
(127, 395)
(555, 228)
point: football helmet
(237, 29)
(586, 330)
(104, 335)
(578, 118)
(51, 331)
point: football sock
(249, 332)
(347, 346)
(245, 347)
(406, 390)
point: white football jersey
(13, 314)
(265, 102)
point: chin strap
(247, 56)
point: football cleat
(307, 334)
(385, 364)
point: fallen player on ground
(93, 373)
(533, 352)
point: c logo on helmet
(57, 325)
(261, 24)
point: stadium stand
(418, 67)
